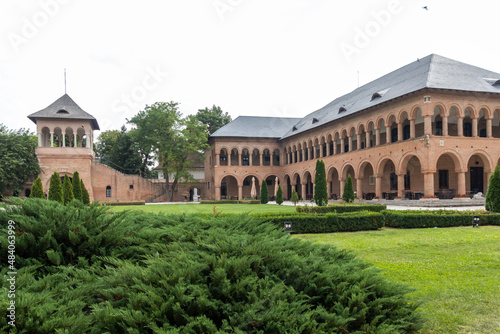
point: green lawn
(208, 208)
(455, 271)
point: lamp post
(288, 227)
(476, 220)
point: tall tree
(214, 118)
(295, 197)
(279, 195)
(348, 195)
(264, 193)
(37, 189)
(492, 201)
(177, 143)
(67, 190)
(18, 162)
(118, 150)
(55, 188)
(320, 188)
(77, 186)
(85, 194)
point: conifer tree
(295, 197)
(67, 190)
(320, 188)
(85, 194)
(55, 188)
(279, 195)
(348, 195)
(77, 186)
(37, 189)
(492, 202)
(264, 194)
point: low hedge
(230, 201)
(124, 203)
(341, 208)
(439, 218)
(331, 223)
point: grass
(455, 271)
(207, 208)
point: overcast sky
(282, 58)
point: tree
(119, 150)
(279, 195)
(55, 188)
(177, 143)
(295, 197)
(67, 190)
(492, 202)
(320, 188)
(213, 118)
(37, 189)
(85, 194)
(77, 186)
(264, 194)
(18, 162)
(348, 195)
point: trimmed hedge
(124, 203)
(230, 201)
(342, 208)
(441, 218)
(331, 223)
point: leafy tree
(85, 194)
(118, 150)
(213, 118)
(18, 162)
(37, 189)
(67, 190)
(279, 195)
(320, 188)
(295, 197)
(492, 202)
(264, 193)
(55, 188)
(77, 186)
(348, 195)
(177, 143)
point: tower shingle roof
(64, 108)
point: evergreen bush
(341, 208)
(295, 197)
(77, 186)
(320, 187)
(348, 195)
(264, 194)
(37, 189)
(95, 271)
(492, 201)
(67, 190)
(279, 196)
(85, 194)
(55, 188)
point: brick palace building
(429, 129)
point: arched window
(108, 191)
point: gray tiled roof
(64, 107)
(432, 71)
(256, 127)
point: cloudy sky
(250, 57)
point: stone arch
(381, 126)
(234, 157)
(479, 168)
(333, 179)
(245, 156)
(495, 123)
(246, 182)
(272, 186)
(410, 166)
(483, 115)
(453, 121)
(366, 175)
(287, 187)
(370, 128)
(379, 169)
(307, 180)
(276, 157)
(437, 120)
(223, 156)
(346, 168)
(296, 184)
(447, 167)
(57, 135)
(45, 140)
(330, 144)
(419, 121)
(392, 127)
(468, 116)
(229, 186)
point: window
(342, 109)
(246, 161)
(407, 181)
(62, 111)
(246, 182)
(482, 133)
(267, 158)
(131, 187)
(315, 120)
(331, 148)
(394, 181)
(439, 128)
(108, 191)
(406, 132)
(394, 135)
(467, 129)
(443, 179)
